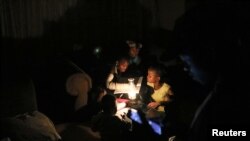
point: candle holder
(132, 89)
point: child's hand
(153, 105)
(124, 115)
(125, 118)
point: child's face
(123, 66)
(152, 76)
(133, 51)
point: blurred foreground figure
(33, 126)
(20, 119)
(79, 84)
(213, 40)
(110, 126)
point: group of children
(161, 91)
(155, 99)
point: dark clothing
(110, 127)
(85, 113)
(224, 108)
(136, 67)
(145, 94)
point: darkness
(66, 45)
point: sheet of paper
(138, 87)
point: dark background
(38, 38)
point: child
(112, 82)
(135, 62)
(110, 126)
(162, 91)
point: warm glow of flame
(132, 94)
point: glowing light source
(132, 89)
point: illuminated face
(193, 70)
(123, 66)
(152, 76)
(133, 51)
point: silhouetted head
(210, 39)
(109, 104)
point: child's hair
(108, 103)
(159, 70)
(122, 60)
(132, 43)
